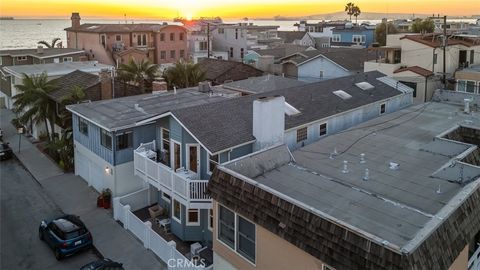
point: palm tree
(349, 9)
(76, 96)
(49, 45)
(32, 101)
(62, 147)
(184, 74)
(356, 13)
(139, 73)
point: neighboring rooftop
(262, 84)
(290, 36)
(230, 122)
(352, 28)
(281, 50)
(415, 69)
(56, 69)
(435, 40)
(416, 209)
(300, 58)
(65, 84)
(220, 71)
(119, 28)
(42, 53)
(351, 59)
(121, 113)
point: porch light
(108, 170)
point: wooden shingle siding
(333, 244)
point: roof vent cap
(393, 165)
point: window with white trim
(323, 129)
(383, 108)
(83, 126)
(212, 162)
(302, 134)
(125, 140)
(68, 59)
(106, 139)
(237, 233)
(21, 58)
(210, 219)
(226, 226)
(359, 39)
(166, 197)
(118, 37)
(221, 30)
(177, 211)
(193, 217)
(336, 38)
(326, 267)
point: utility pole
(445, 52)
(208, 40)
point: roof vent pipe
(334, 153)
(345, 167)
(362, 158)
(174, 90)
(466, 103)
(366, 176)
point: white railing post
(116, 205)
(173, 247)
(187, 186)
(148, 228)
(126, 208)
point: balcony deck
(182, 246)
(181, 184)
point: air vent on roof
(342, 94)
(290, 110)
(365, 86)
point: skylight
(365, 86)
(290, 110)
(93, 27)
(342, 94)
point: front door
(193, 155)
(176, 157)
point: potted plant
(107, 198)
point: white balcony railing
(180, 184)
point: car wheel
(58, 255)
(40, 235)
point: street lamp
(20, 132)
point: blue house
(171, 143)
(353, 35)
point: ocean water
(25, 33)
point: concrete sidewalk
(74, 196)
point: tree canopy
(381, 34)
(183, 74)
(423, 26)
(142, 73)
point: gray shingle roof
(120, 113)
(302, 57)
(219, 71)
(47, 52)
(349, 58)
(228, 123)
(65, 83)
(290, 36)
(263, 84)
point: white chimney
(268, 121)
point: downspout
(425, 96)
(114, 151)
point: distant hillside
(341, 15)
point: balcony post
(148, 229)
(126, 209)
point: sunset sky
(226, 8)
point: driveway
(23, 205)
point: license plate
(78, 242)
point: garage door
(82, 166)
(96, 177)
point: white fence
(166, 251)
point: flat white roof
(56, 69)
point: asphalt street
(23, 205)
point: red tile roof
(119, 28)
(416, 69)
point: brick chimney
(105, 84)
(75, 20)
(159, 85)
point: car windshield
(74, 234)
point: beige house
(114, 44)
(417, 60)
(366, 205)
